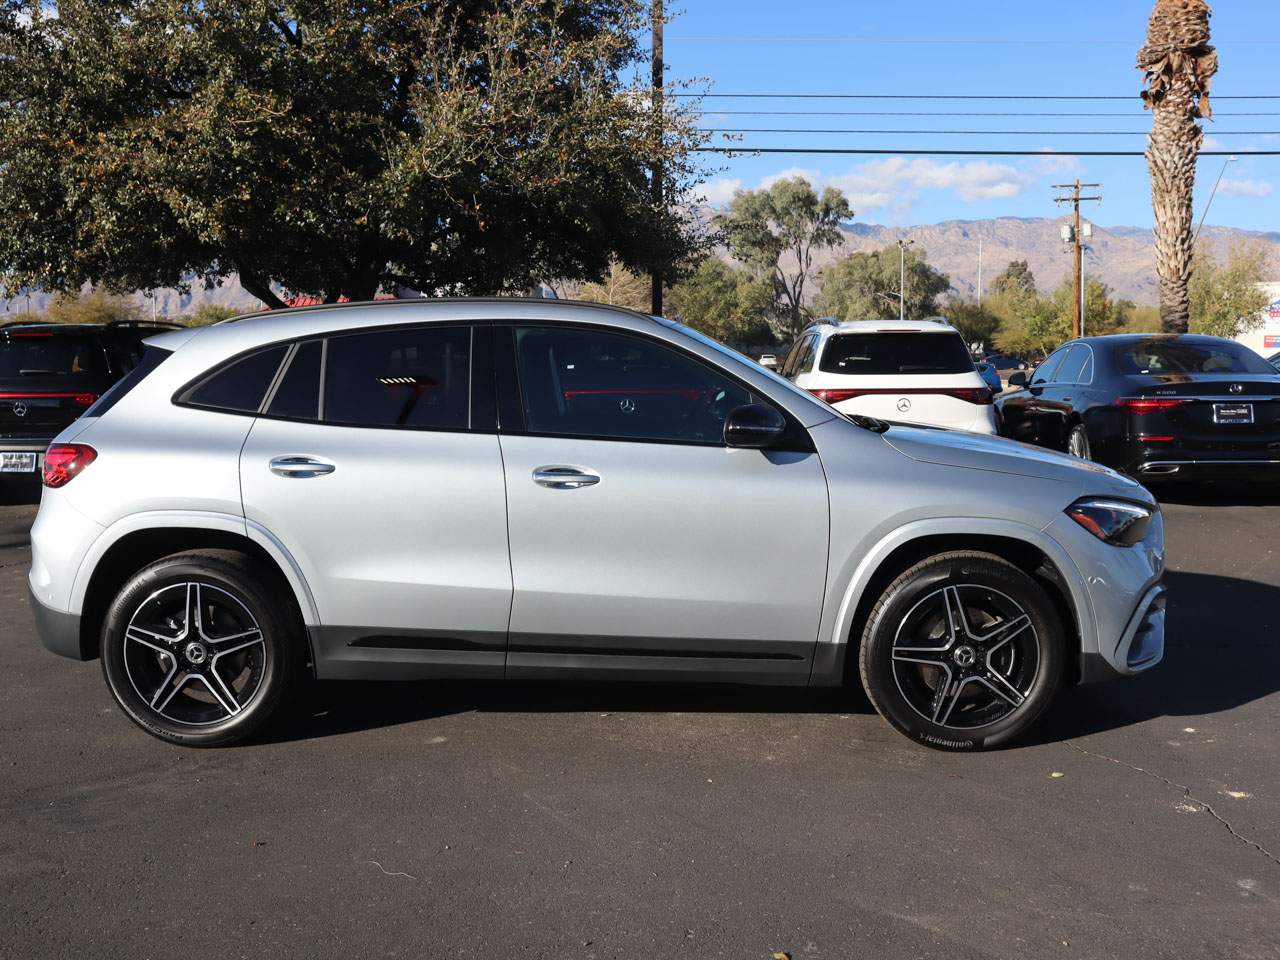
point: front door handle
(564, 478)
(300, 467)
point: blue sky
(856, 47)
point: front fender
(855, 574)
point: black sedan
(1154, 406)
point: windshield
(887, 354)
(1189, 356)
(46, 354)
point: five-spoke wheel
(963, 651)
(195, 648)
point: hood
(975, 451)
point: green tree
(96, 305)
(976, 322)
(1226, 300)
(1015, 279)
(208, 313)
(775, 233)
(864, 286)
(335, 147)
(726, 304)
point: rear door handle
(300, 467)
(564, 478)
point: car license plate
(1233, 413)
(18, 462)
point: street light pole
(902, 277)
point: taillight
(86, 399)
(979, 395)
(1144, 405)
(63, 461)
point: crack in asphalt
(1186, 795)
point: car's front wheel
(197, 650)
(963, 651)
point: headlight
(1118, 522)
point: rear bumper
(1207, 467)
(25, 444)
(59, 631)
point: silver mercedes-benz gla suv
(524, 489)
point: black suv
(50, 373)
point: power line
(983, 133)
(973, 153)
(935, 113)
(940, 41)
(934, 96)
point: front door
(640, 543)
(379, 481)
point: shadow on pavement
(1213, 662)
(1226, 494)
(1207, 669)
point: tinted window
(594, 384)
(789, 365)
(416, 377)
(241, 386)
(1072, 364)
(39, 353)
(1044, 373)
(152, 357)
(1086, 375)
(886, 354)
(298, 396)
(124, 349)
(1188, 356)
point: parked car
(906, 372)
(1004, 364)
(50, 373)
(525, 489)
(1154, 406)
(990, 377)
(769, 361)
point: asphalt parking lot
(482, 820)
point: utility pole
(902, 277)
(979, 270)
(655, 305)
(1072, 236)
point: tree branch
(294, 36)
(258, 287)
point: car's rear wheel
(197, 650)
(963, 651)
(1078, 443)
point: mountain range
(1123, 257)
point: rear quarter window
(890, 354)
(239, 386)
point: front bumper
(58, 631)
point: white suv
(916, 371)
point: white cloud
(1246, 188)
(895, 183)
(717, 193)
(1212, 143)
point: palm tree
(1178, 65)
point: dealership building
(1265, 338)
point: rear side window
(413, 377)
(1072, 364)
(240, 386)
(298, 395)
(40, 353)
(1184, 356)
(1045, 372)
(888, 354)
(152, 357)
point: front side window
(590, 383)
(413, 377)
(240, 386)
(892, 354)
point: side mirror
(1018, 379)
(754, 427)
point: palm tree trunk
(1178, 65)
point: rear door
(640, 543)
(376, 464)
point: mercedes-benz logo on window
(1236, 388)
(904, 405)
(19, 408)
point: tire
(1078, 442)
(219, 684)
(908, 649)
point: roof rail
(22, 323)
(166, 324)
